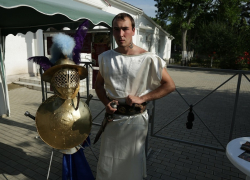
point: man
(128, 76)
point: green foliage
(221, 26)
(245, 9)
(187, 14)
(228, 42)
(175, 30)
(228, 11)
(176, 57)
(181, 13)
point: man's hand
(130, 100)
(101, 93)
(109, 108)
(166, 87)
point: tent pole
(5, 110)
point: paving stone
(182, 168)
(25, 157)
(178, 176)
(188, 175)
(202, 178)
(29, 172)
(153, 173)
(160, 166)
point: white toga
(122, 155)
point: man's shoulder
(148, 53)
(153, 55)
(139, 50)
(106, 53)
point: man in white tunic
(129, 76)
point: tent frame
(6, 105)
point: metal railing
(154, 133)
(236, 73)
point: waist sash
(125, 110)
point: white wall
(169, 42)
(20, 47)
(17, 50)
(145, 33)
(160, 44)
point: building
(18, 48)
(149, 36)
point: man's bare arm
(167, 86)
(101, 93)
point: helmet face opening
(66, 83)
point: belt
(125, 110)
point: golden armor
(60, 125)
(63, 121)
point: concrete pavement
(24, 157)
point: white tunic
(122, 153)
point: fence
(220, 101)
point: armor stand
(50, 163)
(52, 152)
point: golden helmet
(65, 77)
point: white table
(233, 151)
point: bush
(176, 57)
(224, 42)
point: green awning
(21, 16)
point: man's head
(122, 16)
(123, 29)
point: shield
(60, 124)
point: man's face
(123, 32)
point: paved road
(23, 156)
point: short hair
(122, 17)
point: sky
(148, 6)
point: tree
(181, 12)
(223, 41)
(245, 12)
(230, 11)
(186, 14)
